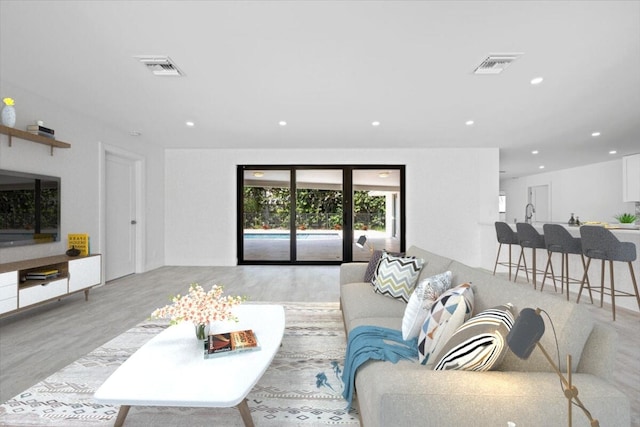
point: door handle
(134, 222)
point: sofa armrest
(352, 272)
(600, 352)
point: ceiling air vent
(495, 64)
(160, 65)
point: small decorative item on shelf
(73, 251)
(9, 112)
(200, 307)
(572, 220)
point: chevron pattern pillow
(397, 276)
(451, 310)
(480, 343)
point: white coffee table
(170, 370)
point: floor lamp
(524, 336)
(362, 241)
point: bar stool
(506, 236)
(558, 240)
(528, 237)
(600, 243)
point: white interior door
(120, 216)
(539, 196)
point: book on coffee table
(227, 343)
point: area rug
(300, 388)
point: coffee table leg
(122, 414)
(245, 413)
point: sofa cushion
(359, 301)
(433, 264)
(397, 276)
(451, 310)
(480, 343)
(426, 293)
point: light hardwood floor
(36, 343)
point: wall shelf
(53, 143)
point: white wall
(448, 192)
(592, 192)
(79, 169)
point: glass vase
(202, 331)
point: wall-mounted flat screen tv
(29, 209)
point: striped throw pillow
(397, 276)
(479, 344)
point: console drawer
(8, 304)
(10, 278)
(35, 294)
(10, 291)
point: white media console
(74, 274)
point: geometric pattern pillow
(480, 343)
(452, 309)
(397, 276)
(426, 293)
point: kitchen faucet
(528, 214)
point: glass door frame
(347, 209)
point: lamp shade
(361, 241)
(525, 333)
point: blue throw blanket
(373, 343)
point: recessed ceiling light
(535, 152)
(376, 123)
(190, 124)
(537, 81)
(258, 174)
(383, 174)
(613, 152)
(541, 167)
(594, 134)
(469, 122)
(282, 123)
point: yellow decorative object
(8, 101)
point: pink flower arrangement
(199, 307)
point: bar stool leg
(585, 277)
(534, 267)
(546, 271)
(523, 259)
(509, 261)
(602, 283)
(497, 258)
(584, 266)
(635, 284)
(565, 272)
(613, 291)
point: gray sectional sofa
(525, 392)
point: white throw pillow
(421, 300)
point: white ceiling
(331, 68)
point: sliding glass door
(318, 214)
(376, 199)
(266, 215)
